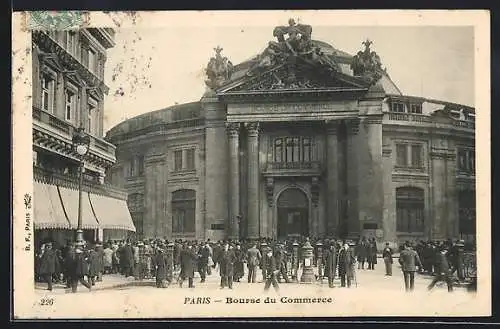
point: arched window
(183, 211)
(410, 206)
(135, 203)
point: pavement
(371, 294)
(119, 282)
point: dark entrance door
(293, 213)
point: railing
(70, 181)
(310, 165)
(470, 265)
(414, 117)
(397, 116)
(67, 128)
(465, 124)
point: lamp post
(81, 143)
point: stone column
(438, 192)
(332, 195)
(234, 179)
(452, 230)
(353, 225)
(216, 164)
(389, 212)
(253, 180)
(370, 171)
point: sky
(153, 68)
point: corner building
(69, 92)
(302, 139)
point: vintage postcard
(251, 164)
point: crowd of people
(177, 261)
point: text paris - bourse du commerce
(267, 300)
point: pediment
(294, 78)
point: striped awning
(70, 202)
(111, 213)
(48, 209)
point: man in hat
(239, 268)
(203, 256)
(331, 263)
(456, 258)
(280, 256)
(48, 264)
(387, 256)
(160, 266)
(443, 270)
(409, 261)
(253, 260)
(346, 263)
(271, 269)
(226, 265)
(94, 265)
(188, 264)
(78, 269)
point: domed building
(301, 140)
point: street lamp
(81, 142)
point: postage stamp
(209, 164)
(54, 20)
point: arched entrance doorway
(293, 213)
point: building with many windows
(68, 93)
(303, 139)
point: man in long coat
(409, 260)
(443, 270)
(48, 264)
(387, 256)
(361, 253)
(78, 269)
(239, 268)
(226, 264)
(253, 260)
(272, 270)
(94, 265)
(127, 260)
(346, 262)
(160, 267)
(331, 263)
(372, 254)
(203, 256)
(188, 260)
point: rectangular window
(472, 161)
(296, 149)
(91, 114)
(306, 149)
(70, 105)
(416, 156)
(402, 155)
(140, 164)
(190, 161)
(278, 150)
(416, 108)
(91, 60)
(71, 42)
(47, 93)
(178, 160)
(289, 150)
(398, 107)
(131, 167)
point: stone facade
(331, 156)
